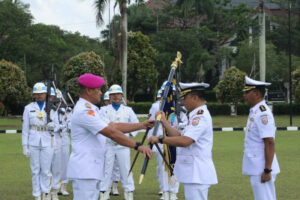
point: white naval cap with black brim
(251, 84)
(189, 87)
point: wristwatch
(161, 138)
(137, 144)
(267, 171)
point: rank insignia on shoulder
(200, 112)
(264, 119)
(88, 105)
(91, 112)
(195, 121)
(262, 108)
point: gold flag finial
(177, 60)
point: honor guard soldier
(86, 164)
(194, 166)
(116, 172)
(117, 112)
(259, 161)
(64, 117)
(159, 161)
(37, 142)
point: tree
(14, 92)
(230, 88)
(87, 62)
(100, 4)
(15, 19)
(141, 64)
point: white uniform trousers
(193, 191)
(159, 169)
(65, 155)
(116, 172)
(122, 155)
(40, 164)
(56, 168)
(85, 189)
(263, 191)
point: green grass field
(218, 121)
(15, 178)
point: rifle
(48, 102)
(164, 99)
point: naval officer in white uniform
(86, 164)
(259, 161)
(194, 166)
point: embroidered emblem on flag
(90, 112)
(196, 121)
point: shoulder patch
(195, 121)
(200, 112)
(262, 108)
(264, 119)
(88, 105)
(91, 112)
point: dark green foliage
(284, 109)
(87, 62)
(210, 96)
(14, 91)
(141, 68)
(141, 107)
(296, 84)
(230, 88)
(218, 109)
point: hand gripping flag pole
(162, 105)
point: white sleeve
(266, 125)
(92, 122)
(196, 128)
(25, 126)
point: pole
(290, 65)
(262, 42)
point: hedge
(224, 109)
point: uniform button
(254, 155)
(94, 160)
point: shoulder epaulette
(88, 105)
(262, 108)
(200, 112)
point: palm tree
(100, 5)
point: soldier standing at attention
(37, 142)
(86, 164)
(260, 162)
(194, 166)
(117, 112)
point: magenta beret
(91, 81)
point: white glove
(26, 151)
(51, 126)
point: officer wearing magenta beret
(88, 132)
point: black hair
(261, 90)
(81, 88)
(199, 93)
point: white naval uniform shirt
(194, 163)
(124, 114)
(88, 149)
(260, 125)
(31, 136)
(153, 110)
